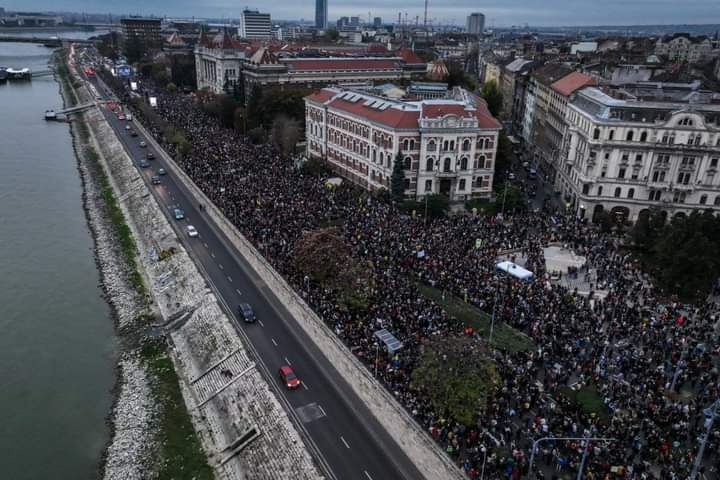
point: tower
(321, 14)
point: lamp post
(698, 460)
(545, 439)
(377, 356)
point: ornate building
(447, 145)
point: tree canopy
(493, 96)
(397, 181)
(457, 375)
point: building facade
(447, 146)
(321, 14)
(683, 47)
(219, 61)
(475, 24)
(644, 147)
(144, 30)
(255, 25)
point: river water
(57, 343)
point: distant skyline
(498, 13)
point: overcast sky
(497, 12)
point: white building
(219, 62)
(255, 25)
(475, 24)
(447, 145)
(683, 47)
(654, 145)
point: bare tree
(285, 134)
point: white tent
(515, 270)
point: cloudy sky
(497, 12)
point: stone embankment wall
(225, 392)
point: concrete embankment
(240, 422)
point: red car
(290, 380)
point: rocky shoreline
(131, 417)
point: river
(57, 342)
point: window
(466, 145)
(431, 146)
(462, 184)
(629, 136)
(618, 191)
(638, 158)
(611, 135)
(428, 185)
(463, 163)
(446, 165)
(703, 199)
(713, 163)
(683, 178)
(408, 163)
(717, 201)
(429, 166)
(599, 191)
(596, 134)
(643, 137)
(586, 188)
(679, 197)
(631, 193)
(665, 137)
(621, 173)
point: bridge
(53, 42)
(62, 115)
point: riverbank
(131, 419)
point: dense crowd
(628, 345)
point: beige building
(447, 146)
(683, 47)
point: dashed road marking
(205, 245)
(238, 291)
(344, 442)
(323, 411)
(274, 342)
(220, 265)
(261, 323)
(288, 361)
(367, 475)
(229, 279)
(304, 385)
(212, 254)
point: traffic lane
(339, 437)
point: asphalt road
(352, 443)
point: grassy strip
(63, 72)
(181, 455)
(588, 400)
(504, 337)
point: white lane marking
(367, 475)
(288, 361)
(238, 291)
(323, 411)
(205, 245)
(304, 385)
(261, 323)
(229, 279)
(212, 254)
(344, 442)
(274, 342)
(220, 265)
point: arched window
(431, 146)
(629, 136)
(643, 137)
(452, 144)
(717, 201)
(703, 199)
(481, 161)
(388, 160)
(466, 145)
(631, 193)
(596, 134)
(461, 187)
(446, 144)
(382, 158)
(412, 144)
(374, 156)
(618, 191)
(429, 165)
(408, 163)
(488, 143)
(446, 165)
(463, 163)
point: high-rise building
(354, 21)
(321, 13)
(377, 22)
(254, 24)
(145, 30)
(343, 22)
(475, 23)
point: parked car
(179, 214)
(532, 173)
(150, 156)
(144, 164)
(133, 133)
(246, 312)
(161, 171)
(191, 231)
(143, 144)
(155, 180)
(288, 377)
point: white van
(128, 117)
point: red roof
(485, 118)
(342, 64)
(376, 48)
(408, 56)
(321, 96)
(572, 82)
(434, 110)
(392, 117)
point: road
(350, 440)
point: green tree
(285, 134)
(457, 375)
(332, 34)
(511, 197)
(397, 181)
(134, 49)
(255, 112)
(492, 95)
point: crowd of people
(654, 363)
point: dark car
(150, 156)
(155, 180)
(144, 164)
(288, 377)
(246, 313)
